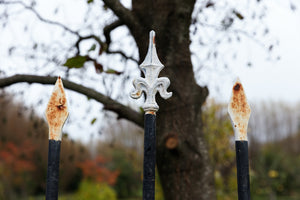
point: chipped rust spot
(239, 111)
(237, 87)
(56, 112)
(138, 93)
(60, 107)
(151, 112)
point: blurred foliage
(115, 169)
(23, 153)
(95, 191)
(128, 163)
(159, 193)
(274, 166)
(219, 134)
(96, 170)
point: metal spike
(57, 111)
(151, 59)
(239, 111)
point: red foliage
(96, 170)
(18, 159)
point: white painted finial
(151, 83)
(57, 111)
(239, 111)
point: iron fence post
(150, 85)
(56, 114)
(239, 111)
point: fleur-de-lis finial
(151, 83)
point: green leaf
(112, 71)
(90, 1)
(93, 47)
(238, 14)
(75, 62)
(141, 109)
(93, 121)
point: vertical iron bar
(53, 170)
(150, 85)
(242, 164)
(239, 111)
(56, 114)
(149, 157)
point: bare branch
(245, 33)
(124, 14)
(123, 54)
(109, 104)
(107, 30)
(30, 8)
(103, 45)
(81, 38)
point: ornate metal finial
(151, 83)
(239, 111)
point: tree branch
(40, 17)
(103, 45)
(219, 28)
(107, 30)
(123, 55)
(124, 14)
(81, 38)
(109, 104)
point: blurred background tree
(97, 51)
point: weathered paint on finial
(239, 111)
(151, 59)
(57, 111)
(151, 68)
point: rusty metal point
(239, 111)
(151, 84)
(57, 111)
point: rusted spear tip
(57, 111)
(239, 111)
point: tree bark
(185, 172)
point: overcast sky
(268, 80)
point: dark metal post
(150, 85)
(149, 157)
(242, 164)
(56, 115)
(239, 111)
(53, 170)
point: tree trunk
(184, 170)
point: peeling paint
(57, 111)
(239, 111)
(150, 112)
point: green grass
(277, 198)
